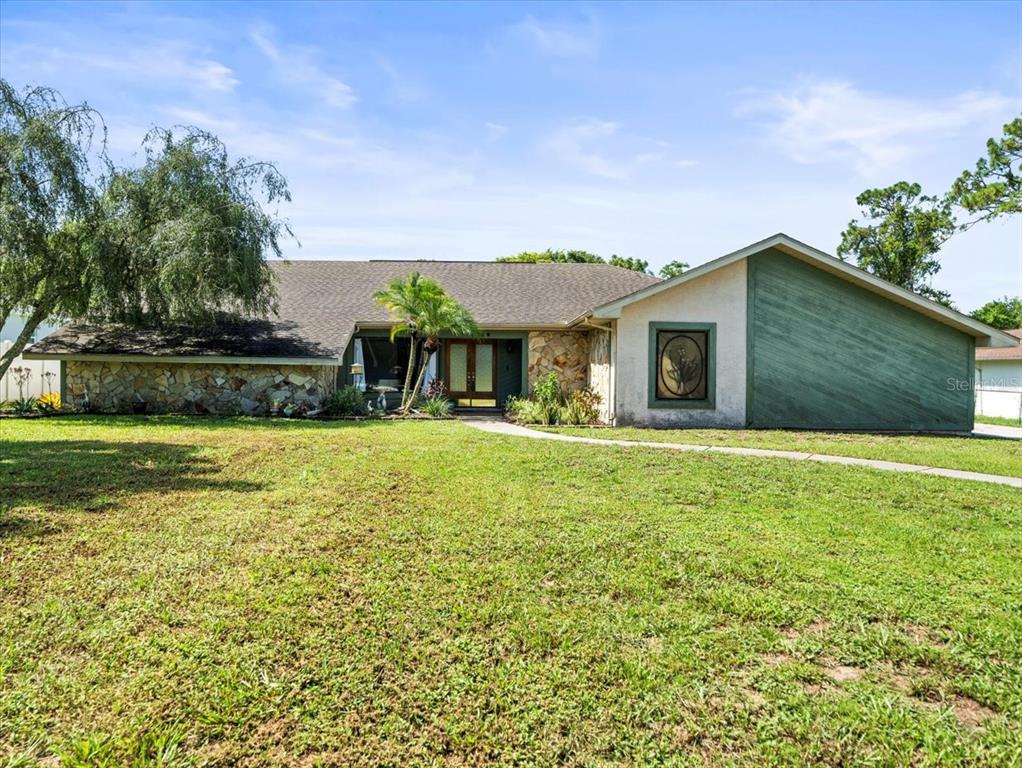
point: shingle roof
(322, 301)
(1002, 353)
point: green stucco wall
(826, 354)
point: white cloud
(201, 119)
(495, 131)
(598, 148)
(560, 38)
(165, 62)
(833, 120)
(297, 65)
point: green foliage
(49, 207)
(636, 265)
(673, 269)
(581, 406)
(541, 602)
(346, 401)
(903, 231)
(994, 188)
(437, 407)
(161, 749)
(548, 404)
(550, 256)
(24, 406)
(1003, 313)
(182, 238)
(185, 236)
(526, 411)
(423, 310)
(554, 257)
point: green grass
(993, 456)
(1001, 420)
(199, 592)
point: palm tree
(440, 314)
(422, 310)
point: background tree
(554, 257)
(183, 238)
(994, 188)
(574, 257)
(1003, 313)
(673, 269)
(903, 231)
(48, 207)
(636, 265)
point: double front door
(471, 368)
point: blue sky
(471, 131)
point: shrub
(23, 406)
(435, 389)
(437, 407)
(526, 411)
(546, 406)
(49, 403)
(582, 407)
(346, 401)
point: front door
(472, 373)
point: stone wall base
(224, 389)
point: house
(43, 375)
(999, 380)
(777, 334)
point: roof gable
(984, 334)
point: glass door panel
(457, 376)
(484, 369)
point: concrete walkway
(996, 430)
(504, 428)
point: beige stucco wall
(718, 297)
(196, 388)
(564, 352)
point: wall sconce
(357, 369)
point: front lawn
(993, 456)
(241, 592)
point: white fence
(44, 376)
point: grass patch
(994, 456)
(243, 592)
(1002, 421)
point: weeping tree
(49, 207)
(422, 310)
(183, 237)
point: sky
(472, 131)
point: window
(681, 365)
(386, 361)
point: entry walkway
(505, 428)
(996, 430)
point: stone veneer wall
(599, 370)
(196, 388)
(565, 352)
